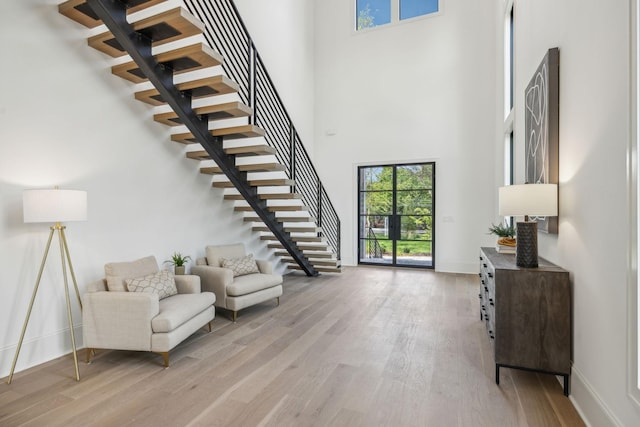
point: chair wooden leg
(209, 325)
(278, 300)
(89, 351)
(235, 316)
(165, 358)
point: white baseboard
(39, 350)
(591, 408)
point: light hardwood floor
(368, 347)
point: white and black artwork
(541, 122)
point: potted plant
(178, 261)
(506, 234)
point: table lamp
(536, 200)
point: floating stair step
(260, 228)
(255, 183)
(227, 110)
(233, 197)
(81, 12)
(294, 238)
(302, 246)
(316, 261)
(263, 196)
(203, 155)
(243, 208)
(211, 170)
(235, 132)
(307, 253)
(303, 229)
(181, 60)
(280, 196)
(290, 208)
(264, 167)
(162, 28)
(321, 269)
(209, 86)
(258, 150)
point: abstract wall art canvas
(541, 122)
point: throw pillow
(162, 283)
(241, 266)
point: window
(373, 13)
(509, 150)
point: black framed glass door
(396, 205)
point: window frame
(633, 289)
(394, 17)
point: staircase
(276, 190)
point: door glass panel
(377, 178)
(411, 177)
(376, 202)
(415, 253)
(374, 226)
(414, 202)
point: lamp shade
(528, 199)
(54, 205)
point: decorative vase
(179, 270)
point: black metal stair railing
(113, 15)
(374, 250)
(226, 32)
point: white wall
(418, 91)
(283, 33)
(594, 42)
(65, 120)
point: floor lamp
(54, 206)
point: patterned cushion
(162, 283)
(241, 266)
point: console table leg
(497, 374)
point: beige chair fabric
(236, 293)
(122, 320)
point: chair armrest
(188, 284)
(265, 267)
(119, 320)
(214, 279)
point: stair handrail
(377, 248)
(226, 32)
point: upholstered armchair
(138, 307)
(237, 279)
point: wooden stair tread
(208, 86)
(203, 155)
(81, 12)
(235, 132)
(262, 167)
(315, 261)
(301, 246)
(227, 110)
(181, 60)
(258, 150)
(320, 268)
(307, 253)
(294, 238)
(279, 196)
(254, 183)
(165, 27)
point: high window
(373, 13)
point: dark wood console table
(527, 312)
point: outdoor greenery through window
(396, 208)
(373, 13)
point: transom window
(373, 13)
